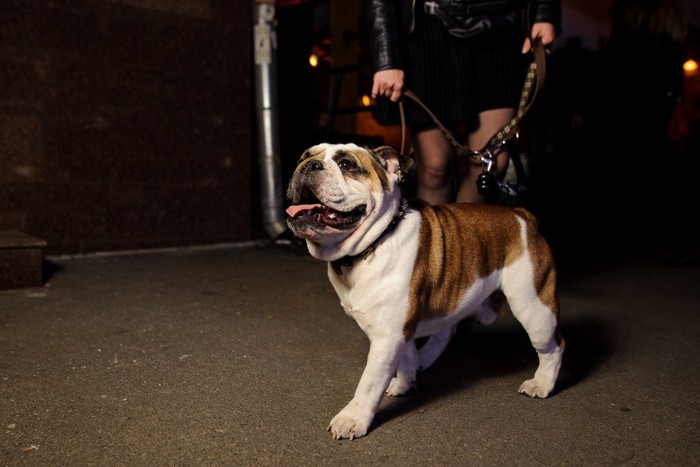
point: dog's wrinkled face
(339, 192)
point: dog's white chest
(377, 287)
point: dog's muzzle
(307, 211)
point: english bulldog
(409, 270)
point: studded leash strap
(534, 80)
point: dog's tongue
(293, 211)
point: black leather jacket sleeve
(386, 21)
(546, 11)
(383, 27)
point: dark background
(131, 125)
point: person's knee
(433, 175)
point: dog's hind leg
(550, 356)
(434, 347)
(538, 313)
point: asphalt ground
(241, 355)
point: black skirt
(459, 78)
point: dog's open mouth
(325, 215)
(310, 209)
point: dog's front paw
(535, 388)
(399, 387)
(348, 424)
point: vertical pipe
(266, 109)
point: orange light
(690, 67)
(366, 101)
(313, 60)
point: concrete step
(20, 260)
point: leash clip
(487, 160)
(486, 183)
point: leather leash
(534, 80)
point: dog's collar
(347, 261)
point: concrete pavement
(241, 355)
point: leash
(534, 80)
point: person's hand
(545, 31)
(388, 83)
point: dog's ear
(393, 161)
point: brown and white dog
(405, 272)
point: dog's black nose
(312, 166)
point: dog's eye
(348, 165)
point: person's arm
(383, 29)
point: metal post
(266, 109)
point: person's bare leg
(433, 166)
(490, 121)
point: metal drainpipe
(266, 110)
